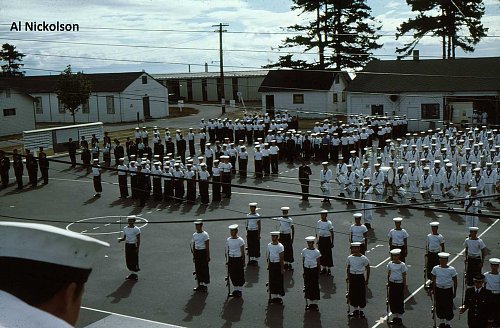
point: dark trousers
(357, 290)
(157, 193)
(191, 190)
(132, 257)
(304, 185)
(253, 243)
(286, 240)
(266, 165)
(276, 279)
(19, 180)
(311, 283)
(396, 298)
(203, 185)
(432, 261)
(444, 303)
(134, 186)
(201, 266)
(216, 189)
(72, 157)
(274, 164)
(122, 183)
(325, 248)
(236, 271)
(226, 184)
(242, 165)
(97, 183)
(168, 190)
(258, 168)
(473, 268)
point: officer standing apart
(304, 173)
(276, 268)
(435, 245)
(396, 283)
(492, 284)
(398, 238)
(357, 266)
(253, 226)
(235, 260)
(476, 301)
(324, 233)
(43, 277)
(474, 255)
(311, 264)
(287, 235)
(132, 238)
(444, 279)
(201, 256)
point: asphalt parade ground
(163, 295)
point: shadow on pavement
(195, 305)
(274, 315)
(123, 291)
(231, 311)
(312, 319)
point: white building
(16, 110)
(115, 97)
(428, 92)
(304, 93)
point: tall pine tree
(456, 22)
(12, 61)
(342, 35)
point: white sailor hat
(395, 251)
(257, 146)
(412, 162)
(489, 164)
(477, 169)
(366, 179)
(176, 164)
(324, 212)
(51, 245)
(349, 166)
(121, 159)
(96, 160)
(132, 156)
(252, 204)
(376, 165)
(203, 165)
(473, 188)
(473, 229)
(285, 208)
(341, 157)
(352, 152)
(449, 165)
(313, 239)
(356, 244)
(463, 165)
(200, 157)
(494, 261)
(208, 144)
(216, 161)
(357, 215)
(401, 167)
(437, 161)
(434, 224)
(324, 163)
(198, 222)
(233, 227)
(189, 165)
(397, 219)
(443, 255)
(274, 233)
(426, 168)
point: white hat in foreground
(494, 261)
(434, 224)
(395, 251)
(443, 255)
(45, 243)
(233, 227)
(274, 233)
(285, 208)
(312, 238)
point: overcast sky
(166, 36)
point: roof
(4, 85)
(290, 80)
(434, 75)
(202, 75)
(101, 82)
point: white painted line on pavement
(383, 319)
(376, 266)
(131, 317)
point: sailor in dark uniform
(235, 260)
(396, 283)
(324, 233)
(476, 301)
(132, 238)
(287, 235)
(253, 227)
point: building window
(7, 93)
(85, 108)
(344, 96)
(9, 111)
(38, 105)
(144, 79)
(60, 105)
(430, 111)
(110, 104)
(378, 110)
(335, 98)
(298, 98)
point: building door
(204, 89)
(270, 105)
(145, 107)
(378, 110)
(190, 89)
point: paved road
(163, 295)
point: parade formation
(366, 163)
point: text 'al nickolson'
(44, 27)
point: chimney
(206, 67)
(416, 54)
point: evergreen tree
(343, 35)
(73, 90)
(12, 59)
(456, 22)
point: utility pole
(220, 88)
